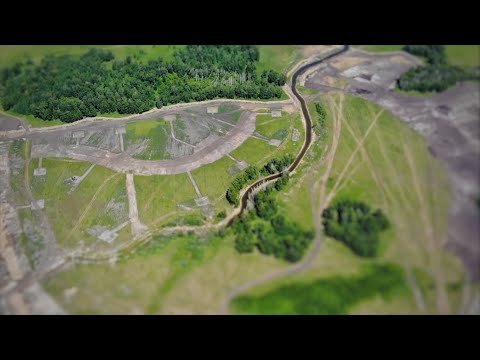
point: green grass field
(213, 179)
(136, 284)
(288, 145)
(110, 208)
(155, 133)
(255, 151)
(274, 128)
(463, 55)
(65, 210)
(329, 296)
(165, 276)
(178, 275)
(460, 55)
(393, 170)
(295, 198)
(380, 48)
(386, 172)
(306, 91)
(158, 196)
(277, 57)
(10, 54)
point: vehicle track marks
(89, 205)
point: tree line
(437, 75)
(270, 232)
(252, 173)
(319, 126)
(434, 54)
(356, 225)
(69, 88)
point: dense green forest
(69, 88)
(356, 225)
(437, 75)
(271, 233)
(435, 54)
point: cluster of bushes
(70, 88)
(221, 215)
(269, 231)
(253, 173)
(435, 78)
(277, 164)
(437, 75)
(282, 182)
(356, 225)
(319, 126)
(435, 54)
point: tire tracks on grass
(386, 192)
(352, 156)
(89, 205)
(442, 302)
(417, 291)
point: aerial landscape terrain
(240, 179)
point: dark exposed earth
(8, 123)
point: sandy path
(194, 183)
(122, 146)
(8, 252)
(81, 178)
(80, 123)
(122, 162)
(137, 227)
(172, 131)
(18, 304)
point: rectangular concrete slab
(39, 172)
(212, 109)
(78, 134)
(202, 201)
(295, 135)
(120, 130)
(274, 142)
(38, 205)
